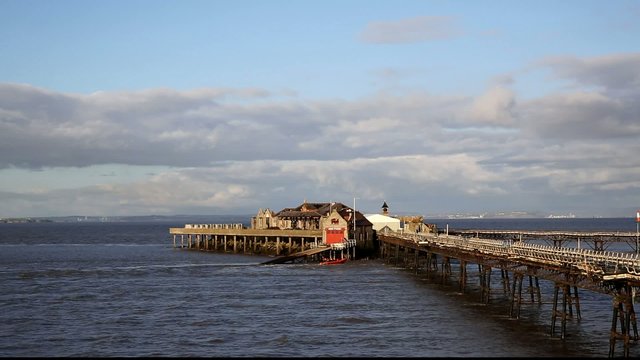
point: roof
(312, 210)
(378, 218)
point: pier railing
(607, 264)
(345, 244)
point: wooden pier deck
(297, 256)
(239, 240)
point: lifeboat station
(322, 231)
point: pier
(236, 239)
(509, 256)
(596, 240)
(297, 233)
(516, 260)
(449, 258)
(288, 246)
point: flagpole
(354, 217)
(354, 228)
(637, 232)
(633, 290)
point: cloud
(584, 116)
(495, 107)
(241, 187)
(41, 128)
(235, 150)
(610, 72)
(410, 30)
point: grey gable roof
(314, 209)
(322, 209)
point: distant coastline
(231, 218)
(24, 220)
(507, 215)
(132, 218)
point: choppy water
(121, 289)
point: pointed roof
(309, 209)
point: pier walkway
(287, 245)
(237, 239)
(299, 255)
(612, 273)
(596, 240)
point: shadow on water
(586, 337)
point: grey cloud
(418, 183)
(237, 150)
(495, 107)
(40, 128)
(611, 72)
(416, 29)
(582, 116)
(602, 105)
(414, 183)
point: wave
(64, 272)
(22, 244)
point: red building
(333, 218)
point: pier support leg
(481, 276)
(446, 269)
(554, 311)
(434, 262)
(574, 301)
(565, 301)
(537, 289)
(504, 275)
(405, 258)
(485, 283)
(534, 289)
(531, 289)
(624, 312)
(463, 275)
(516, 296)
(397, 255)
(563, 313)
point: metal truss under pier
(569, 269)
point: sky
(170, 107)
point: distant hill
(197, 219)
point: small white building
(379, 221)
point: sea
(120, 289)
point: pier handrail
(585, 260)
